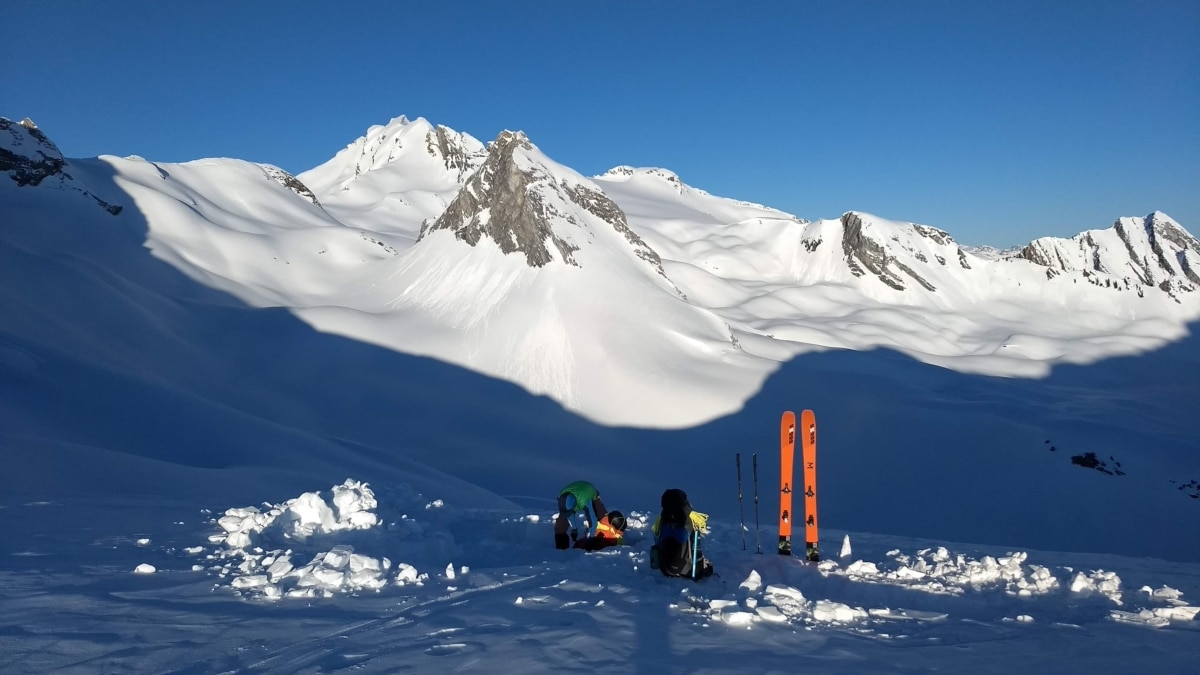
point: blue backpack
(677, 546)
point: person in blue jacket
(581, 497)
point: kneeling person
(582, 498)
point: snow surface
(381, 579)
(195, 480)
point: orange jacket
(606, 535)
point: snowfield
(249, 427)
(382, 578)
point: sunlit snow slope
(722, 293)
(163, 315)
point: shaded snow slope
(381, 578)
(108, 351)
(670, 306)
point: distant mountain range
(629, 297)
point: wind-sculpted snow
(386, 578)
(313, 546)
(646, 302)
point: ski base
(810, 552)
(785, 546)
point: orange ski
(787, 449)
(808, 449)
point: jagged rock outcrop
(26, 155)
(290, 182)
(31, 159)
(598, 203)
(864, 254)
(497, 202)
(457, 152)
(1133, 254)
(522, 206)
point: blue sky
(998, 122)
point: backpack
(678, 549)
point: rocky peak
(26, 155)
(1134, 254)
(413, 148)
(525, 206)
(896, 258)
(497, 202)
(458, 152)
(385, 144)
(31, 159)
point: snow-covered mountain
(533, 275)
(630, 299)
(499, 259)
(1135, 254)
(861, 282)
(396, 176)
(606, 294)
(31, 159)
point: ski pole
(695, 550)
(741, 509)
(757, 545)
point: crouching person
(581, 500)
(610, 532)
(678, 531)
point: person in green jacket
(581, 497)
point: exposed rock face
(598, 203)
(31, 159)
(406, 144)
(866, 255)
(1171, 246)
(450, 146)
(496, 202)
(26, 155)
(1134, 254)
(519, 206)
(290, 182)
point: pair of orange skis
(808, 455)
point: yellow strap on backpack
(699, 522)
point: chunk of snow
(827, 611)
(767, 613)
(738, 618)
(753, 582)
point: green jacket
(584, 493)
